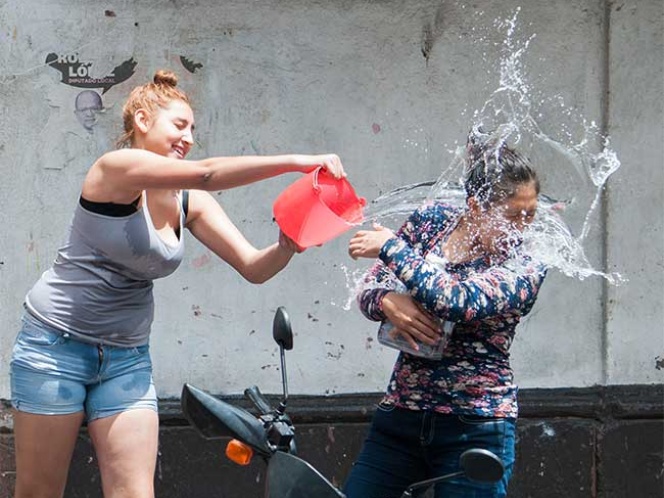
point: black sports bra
(119, 210)
(110, 208)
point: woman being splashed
(464, 266)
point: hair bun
(164, 77)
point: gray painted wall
(391, 87)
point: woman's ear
(142, 120)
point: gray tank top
(99, 288)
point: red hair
(151, 97)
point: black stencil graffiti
(76, 73)
(190, 65)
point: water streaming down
(564, 219)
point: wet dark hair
(494, 171)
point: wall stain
(335, 355)
(432, 31)
(201, 261)
(330, 434)
(547, 431)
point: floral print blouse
(486, 298)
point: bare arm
(501, 289)
(410, 319)
(119, 175)
(208, 222)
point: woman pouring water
(458, 269)
(83, 351)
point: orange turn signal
(239, 452)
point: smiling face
(168, 132)
(500, 225)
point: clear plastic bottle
(387, 336)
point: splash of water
(508, 113)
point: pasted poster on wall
(87, 106)
(77, 130)
(77, 142)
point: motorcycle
(271, 436)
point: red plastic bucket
(317, 208)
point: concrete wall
(391, 87)
(635, 208)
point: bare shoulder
(122, 158)
(102, 182)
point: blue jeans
(405, 446)
(54, 374)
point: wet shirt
(486, 298)
(99, 288)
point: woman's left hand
(332, 164)
(285, 242)
(367, 243)
(329, 162)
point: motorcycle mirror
(481, 465)
(281, 329)
(476, 464)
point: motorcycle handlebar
(259, 401)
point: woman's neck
(463, 244)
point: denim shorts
(406, 446)
(52, 373)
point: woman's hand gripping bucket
(317, 208)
